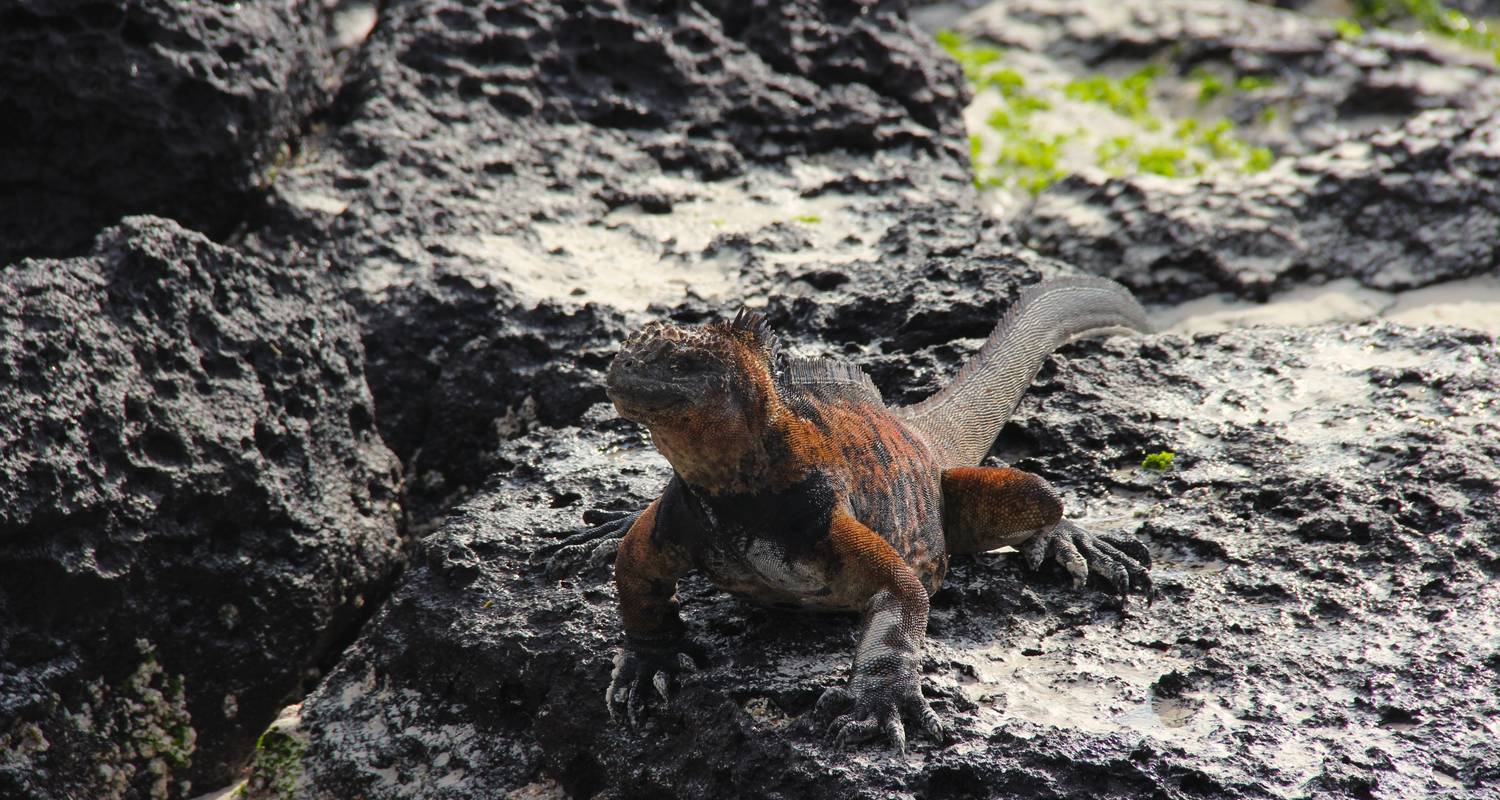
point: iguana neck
(743, 455)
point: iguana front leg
(989, 507)
(886, 679)
(646, 574)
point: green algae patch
(1252, 83)
(1010, 152)
(1128, 96)
(1158, 462)
(1429, 15)
(1033, 161)
(1348, 29)
(1167, 161)
(276, 767)
(972, 58)
(1028, 131)
(1212, 86)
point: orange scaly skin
(795, 486)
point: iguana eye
(691, 363)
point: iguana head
(705, 392)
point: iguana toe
(591, 548)
(853, 729)
(639, 671)
(1121, 564)
(932, 725)
(880, 714)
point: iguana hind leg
(989, 507)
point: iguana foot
(880, 711)
(591, 548)
(1123, 564)
(643, 668)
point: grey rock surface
(1399, 209)
(133, 108)
(1325, 548)
(195, 508)
(486, 670)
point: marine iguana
(795, 485)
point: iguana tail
(962, 420)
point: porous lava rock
(198, 496)
(1312, 495)
(149, 107)
(195, 508)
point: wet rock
(1403, 208)
(115, 109)
(195, 508)
(1325, 548)
(1320, 83)
(492, 169)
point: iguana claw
(593, 547)
(880, 712)
(639, 669)
(1123, 564)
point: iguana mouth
(634, 395)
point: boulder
(148, 107)
(196, 510)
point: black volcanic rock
(194, 508)
(502, 166)
(148, 107)
(1399, 209)
(456, 369)
(1324, 544)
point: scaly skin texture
(795, 486)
